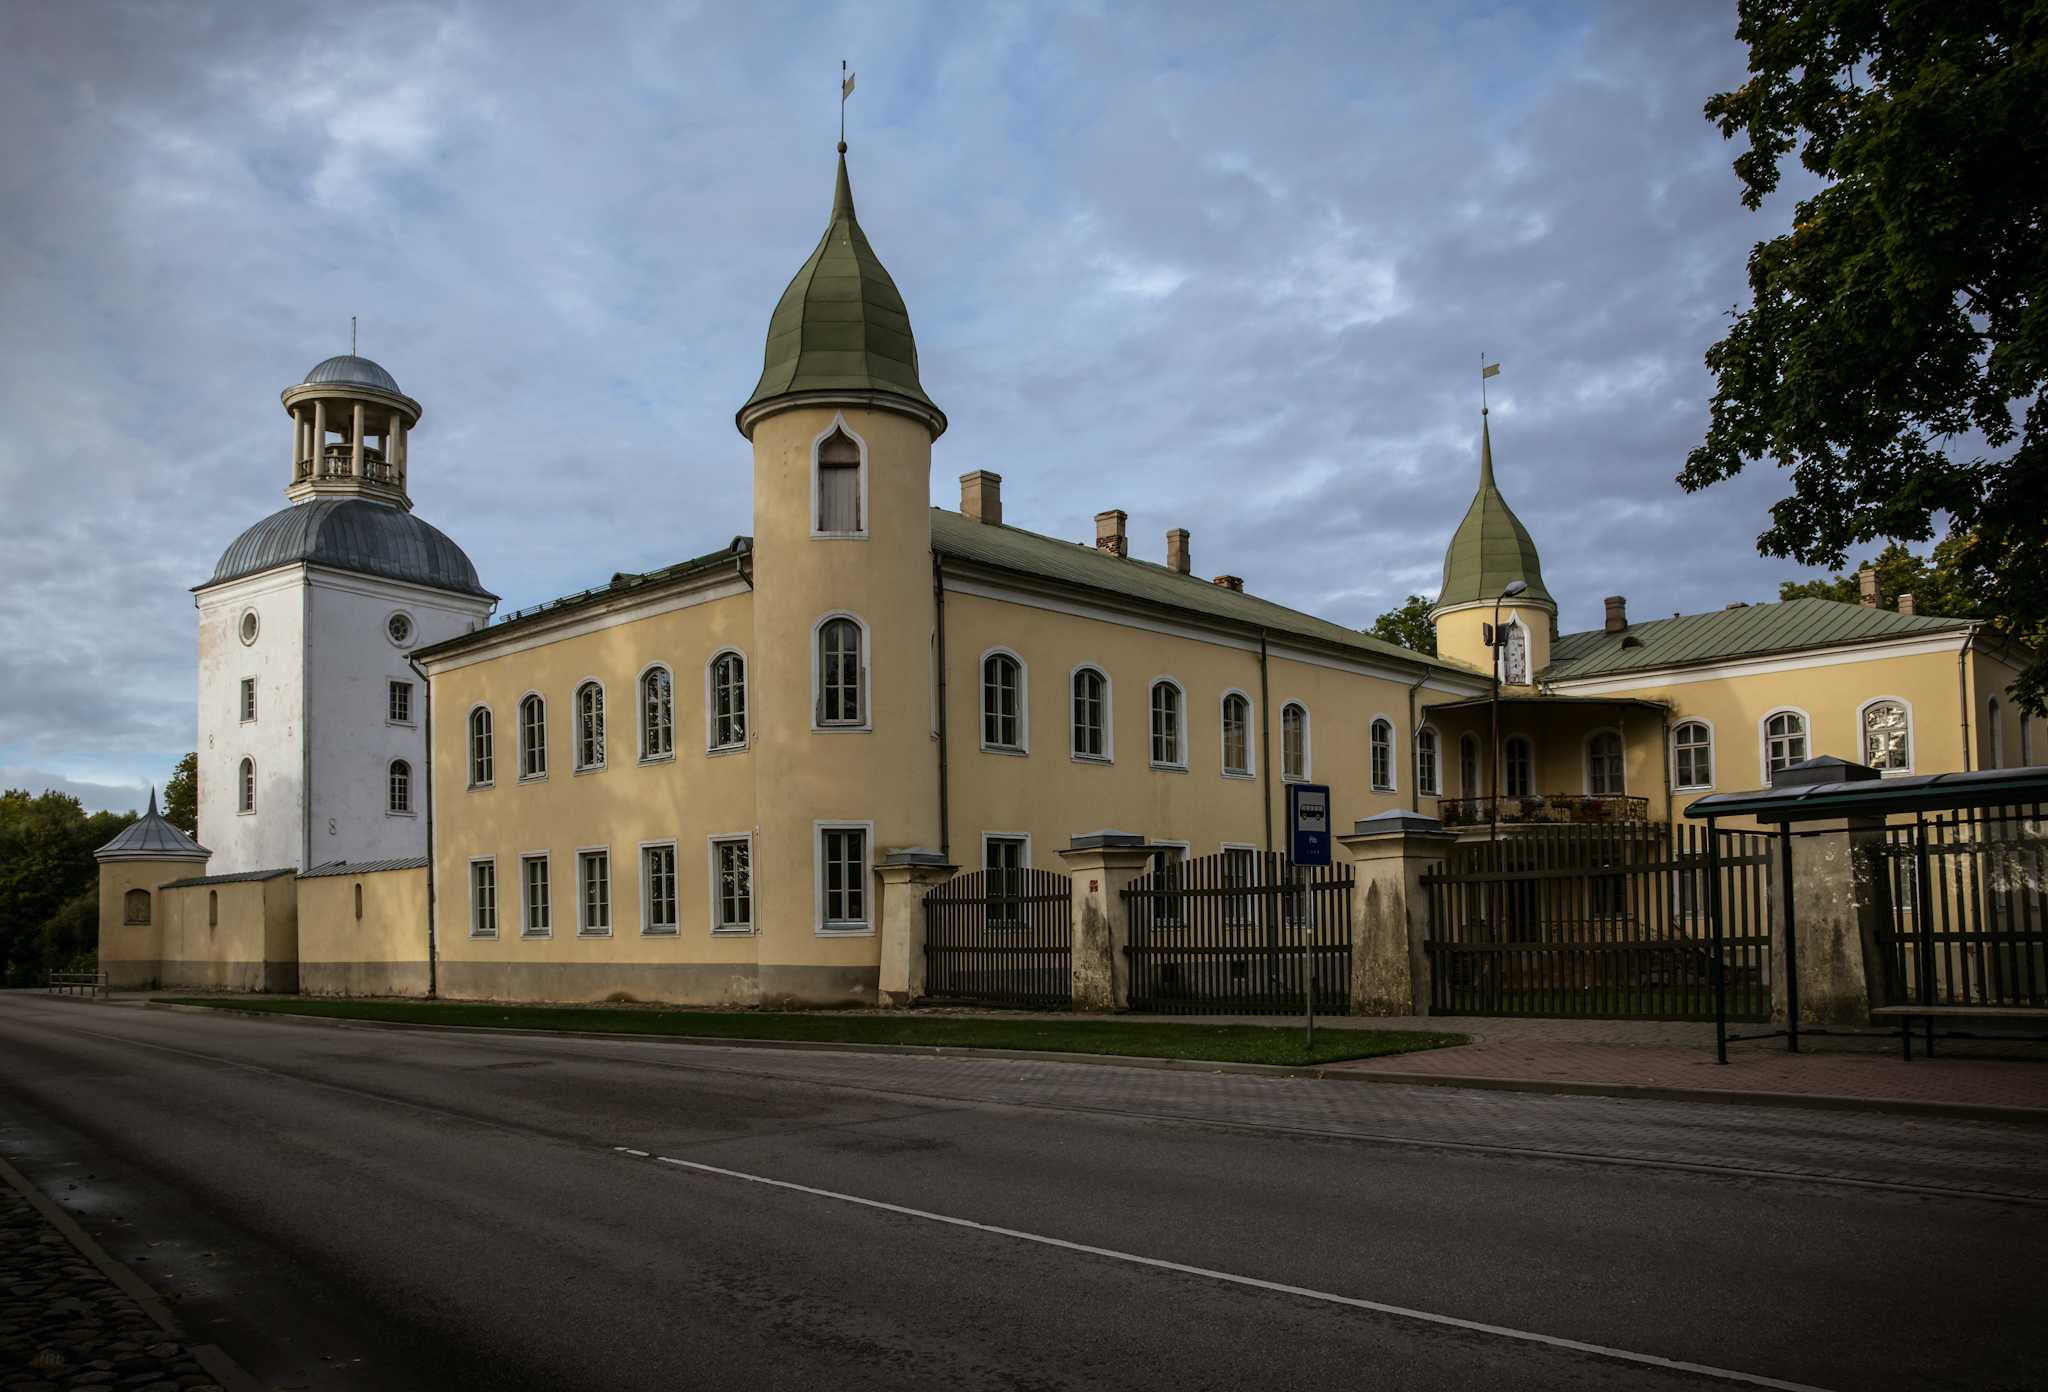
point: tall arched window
(1468, 767)
(1237, 734)
(1887, 736)
(1002, 702)
(1994, 737)
(245, 787)
(533, 737)
(1091, 714)
(135, 906)
(480, 754)
(1294, 741)
(657, 714)
(1692, 755)
(1382, 755)
(728, 720)
(1604, 771)
(400, 802)
(1427, 777)
(1169, 748)
(1784, 742)
(840, 663)
(1518, 767)
(589, 726)
(839, 486)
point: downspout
(1415, 746)
(427, 782)
(939, 620)
(1265, 744)
(1963, 690)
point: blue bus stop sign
(1308, 823)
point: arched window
(1518, 767)
(1427, 778)
(728, 704)
(480, 755)
(840, 673)
(1169, 747)
(1468, 767)
(1237, 734)
(1784, 742)
(657, 714)
(1002, 702)
(1887, 736)
(589, 726)
(1515, 661)
(533, 737)
(839, 486)
(1692, 755)
(1382, 755)
(401, 788)
(1091, 714)
(135, 906)
(1994, 737)
(245, 787)
(1294, 741)
(1604, 771)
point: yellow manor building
(702, 783)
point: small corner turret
(1490, 552)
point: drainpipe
(427, 787)
(939, 611)
(1963, 690)
(1414, 746)
(1265, 744)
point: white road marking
(1650, 1360)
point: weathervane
(845, 91)
(1486, 370)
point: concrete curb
(1337, 1073)
(221, 1368)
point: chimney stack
(981, 496)
(1177, 550)
(1231, 582)
(1867, 578)
(1109, 532)
(1617, 613)
(1906, 605)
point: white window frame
(1023, 744)
(711, 744)
(1251, 737)
(247, 707)
(583, 928)
(412, 804)
(1586, 760)
(1516, 629)
(1432, 786)
(519, 732)
(1169, 905)
(640, 712)
(817, 442)
(245, 786)
(1712, 750)
(604, 720)
(392, 687)
(1763, 738)
(476, 929)
(718, 925)
(526, 928)
(1108, 754)
(1863, 741)
(1023, 864)
(675, 891)
(867, 705)
(1308, 756)
(850, 928)
(1179, 764)
(1247, 905)
(1530, 742)
(1393, 783)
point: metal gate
(1967, 922)
(1229, 934)
(1609, 922)
(1001, 937)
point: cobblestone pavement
(64, 1325)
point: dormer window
(839, 486)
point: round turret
(351, 426)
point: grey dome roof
(150, 837)
(356, 534)
(349, 370)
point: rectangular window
(1169, 871)
(843, 878)
(594, 893)
(483, 898)
(533, 883)
(248, 699)
(838, 497)
(1240, 872)
(732, 885)
(401, 703)
(658, 878)
(1003, 860)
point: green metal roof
(1491, 547)
(841, 325)
(1072, 564)
(1756, 630)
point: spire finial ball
(842, 147)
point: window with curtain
(1294, 741)
(1887, 742)
(1604, 765)
(839, 485)
(1166, 731)
(1382, 749)
(657, 714)
(839, 673)
(1091, 714)
(1002, 701)
(728, 701)
(1237, 734)
(1692, 755)
(1518, 767)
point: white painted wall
(272, 836)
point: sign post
(1308, 844)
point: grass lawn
(1210, 1043)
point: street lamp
(1496, 643)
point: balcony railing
(338, 463)
(1550, 807)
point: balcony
(1551, 807)
(337, 462)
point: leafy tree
(1934, 583)
(1408, 626)
(1895, 350)
(46, 868)
(181, 795)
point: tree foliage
(1408, 626)
(49, 881)
(1895, 350)
(181, 795)
(1937, 587)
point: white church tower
(312, 739)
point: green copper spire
(840, 331)
(1491, 546)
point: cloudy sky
(1230, 268)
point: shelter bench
(1907, 1014)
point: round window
(399, 626)
(248, 627)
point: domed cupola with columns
(1491, 553)
(344, 405)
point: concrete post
(355, 459)
(906, 876)
(1839, 898)
(319, 436)
(391, 449)
(1102, 864)
(1390, 910)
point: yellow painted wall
(129, 952)
(1460, 635)
(238, 936)
(363, 935)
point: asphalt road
(349, 1208)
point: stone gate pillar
(1102, 864)
(1390, 910)
(906, 876)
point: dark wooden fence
(1231, 934)
(1966, 909)
(1001, 937)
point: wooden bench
(1907, 1014)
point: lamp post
(1495, 645)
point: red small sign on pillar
(1094, 886)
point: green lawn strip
(1136, 1039)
